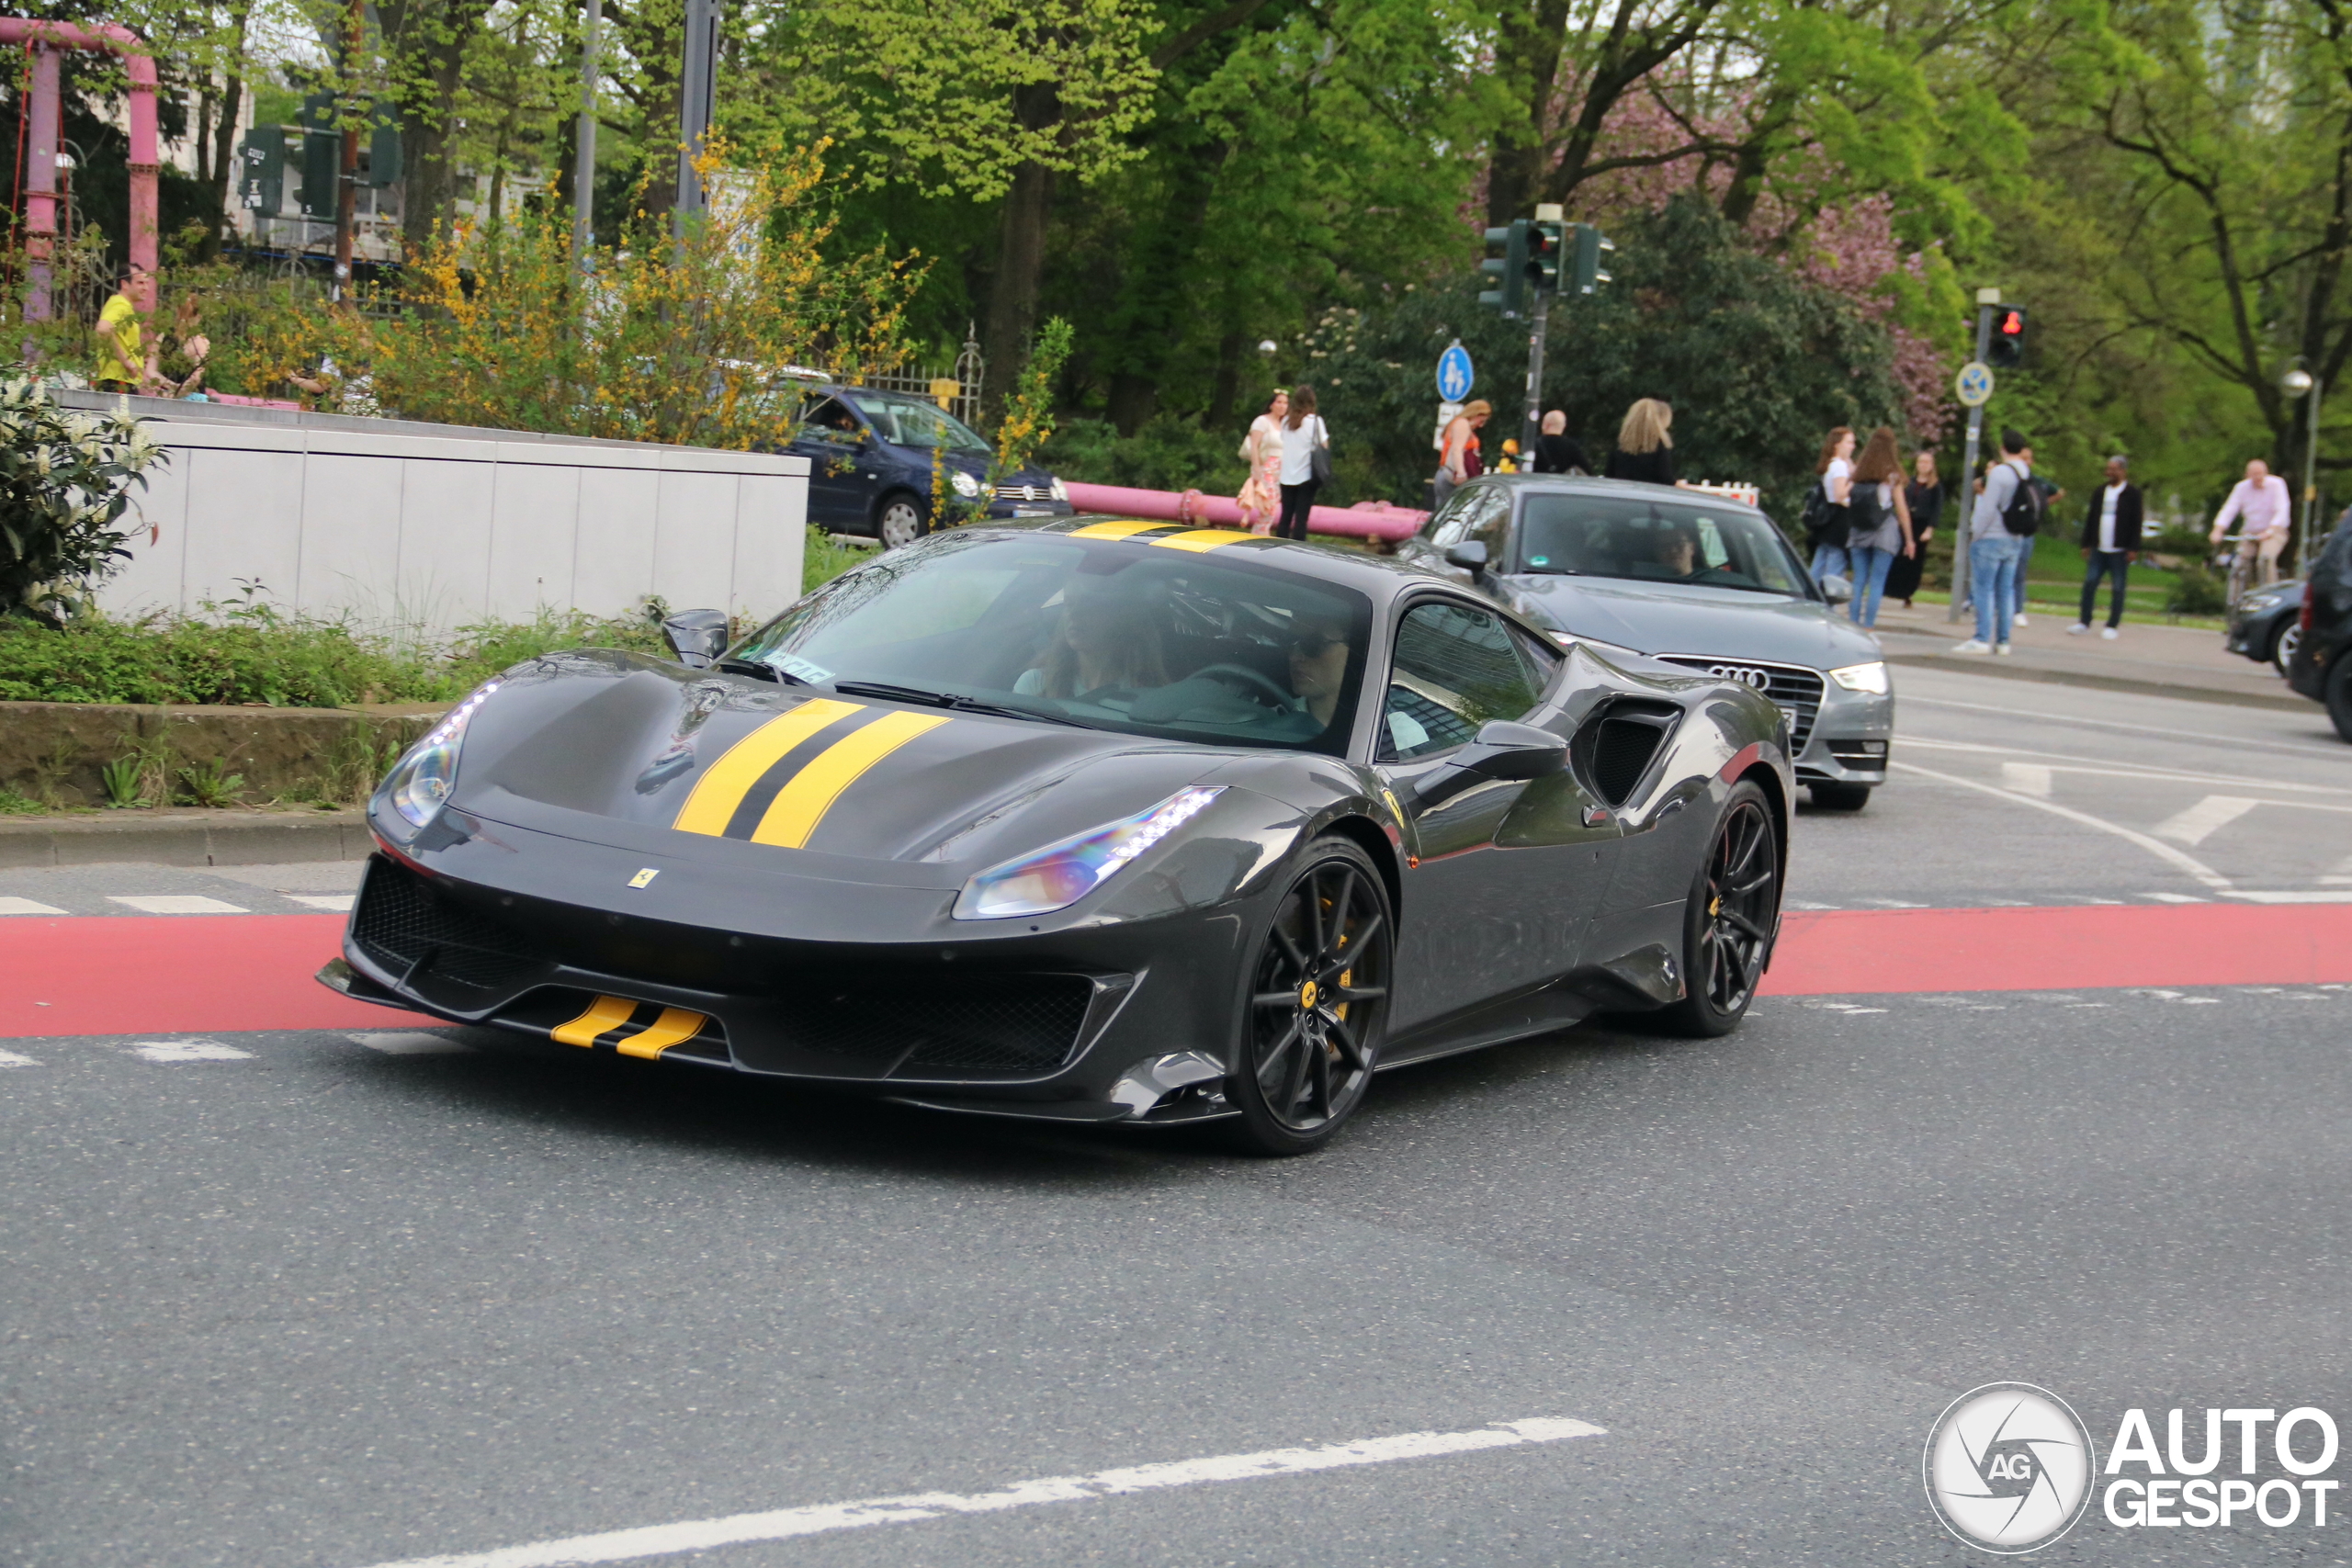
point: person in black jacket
(1557, 451)
(2111, 543)
(1644, 445)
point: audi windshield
(1657, 541)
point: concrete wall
(395, 528)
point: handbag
(1319, 459)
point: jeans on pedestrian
(1831, 560)
(1870, 567)
(1296, 502)
(1442, 488)
(2104, 563)
(1993, 583)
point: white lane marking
(11, 1059)
(411, 1044)
(2066, 762)
(176, 904)
(2336, 880)
(1894, 904)
(1801, 903)
(2203, 820)
(2176, 897)
(785, 1524)
(26, 907)
(2157, 847)
(2231, 742)
(188, 1051)
(2291, 896)
(2026, 778)
(339, 902)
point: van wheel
(900, 522)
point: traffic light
(261, 165)
(2006, 347)
(1511, 268)
(1590, 249)
(1546, 241)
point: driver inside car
(1678, 551)
(1318, 666)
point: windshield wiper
(755, 668)
(954, 699)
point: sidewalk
(2165, 661)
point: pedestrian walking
(1306, 463)
(1825, 525)
(2261, 499)
(2048, 493)
(1557, 451)
(122, 362)
(1925, 498)
(2004, 519)
(1457, 445)
(2110, 545)
(1261, 497)
(1879, 524)
(1644, 444)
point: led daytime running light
(1059, 876)
(420, 786)
(1870, 678)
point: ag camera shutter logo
(2008, 1468)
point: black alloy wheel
(1318, 1005)
(1727, 925)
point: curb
(189, 838)
(2283, 703)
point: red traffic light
(2012, 324)
(2007, 345)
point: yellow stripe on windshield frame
(802, 803)
(1205, 539)
(725, 782)
(1121, 530)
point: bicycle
(2238, 562)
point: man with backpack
(2001, 529)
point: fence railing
(956, 389)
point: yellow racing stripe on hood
(1119, 530)
(725, 782)
(802, 803)
(1205, 539)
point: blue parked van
(869, 464)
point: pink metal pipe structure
(47, 129)
(1373, 521)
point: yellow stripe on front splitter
(674, 1026)
(603, 1015)
(1204, 539)
(802, 803)
(1116, 530)
(726, 782)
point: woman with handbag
(1306, 463)
(1878, 516)
(1261, 493)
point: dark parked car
(2267, 623)
(1691, 579)
(1100, 821)
(2321, 666)
(869, 464)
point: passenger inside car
(1107, 642)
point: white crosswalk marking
(2174, 898)
(188, 1051)
(2201, 820)
(26, 907)
(339, 902)
(2026, 778)
(411, 1044)
(11, 1059)
(174, 904)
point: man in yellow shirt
(121, 358)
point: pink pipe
(1371, 520)
(40, 211)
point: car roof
(1382, 578)
(1575, 484)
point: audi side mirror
(696, 637)
(1470, 555)
(1503, 751)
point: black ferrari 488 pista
(1093, 820)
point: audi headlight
(966, 485)
(1061, 491)
(1870, 678)
(1060, 874)
(420, 782)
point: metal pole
(695, 85)
(1539, 311)
(1966, 520)
(584, 168)
(2311, 484)
(40, 184)
(346, 184)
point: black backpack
(1820, 516)
(2022, 515)
(1864, 513)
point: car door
(841, 473)
(1505, 875)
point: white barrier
(425, 533)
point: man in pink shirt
(2261, 499)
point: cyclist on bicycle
(2261, 499)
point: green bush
(66, 481)
(2196, 590)
(1167, 453)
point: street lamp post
(2299, 382)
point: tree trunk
(431, 37)
(1528, 45)
(1019, 258)
(224, 143)
(1226, 390)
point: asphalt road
(313, 1299)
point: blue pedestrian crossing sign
(1975, 383)
(1453, 373)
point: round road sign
(1453, 373)
(1975, 383)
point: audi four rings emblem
(1746, 675)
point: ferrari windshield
(1185, 645)
(1656, 541)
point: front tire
(1840, 797)
(2339, 691)
(2283, 647)
(1316, 1008)
(1727, 923)
(901, 521)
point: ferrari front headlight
(1060, 874)
(420, 782)
(966, 485)
(1870, 678)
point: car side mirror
(1836, 589)
(696, 637)
(1503, 751)
(1470, 555)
